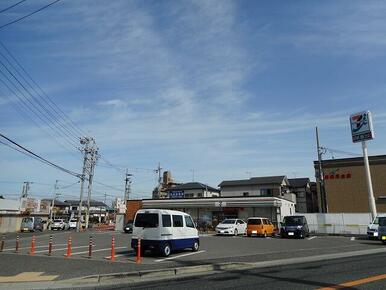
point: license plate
(254, 232)
(383, 238)
(25, 229)
(290, 234)
(221, 232)
(375, 234)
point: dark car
(128, 228)
(382, 229)
(294, 226)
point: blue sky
(227, 88)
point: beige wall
(350, 195)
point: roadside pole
(372, 205)
(361, 131)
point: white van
(164, 231)
(372, 228)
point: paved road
(358, 272)
(213, 249)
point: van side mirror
(282, 224)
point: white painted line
(37, 247)
(352, 239)
(176, 257)
(99, 250)
(311, 238)
(61, 249)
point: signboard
(361, 127)
(220, 204)
(176, 194)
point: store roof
(255, 181)
(193, 185)
(84, 203)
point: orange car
(258, 226)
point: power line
(44, 95)
(28, 15)
(10, 7)
(20, 109)
(39, 110)
(36, 156)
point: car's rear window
(254, 222)
(147, 220)
(27, 220)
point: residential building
(268, 186)
(345, 184)
(60, 207)
(301, 187)
(192, 190)
(98, 210)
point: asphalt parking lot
(213, 249)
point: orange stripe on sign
(356, 282)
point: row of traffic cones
(69, 248)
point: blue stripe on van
(175, 244)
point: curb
(140, 276)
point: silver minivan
(31, 224)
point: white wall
(338, 223)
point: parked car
(128, 227)
(294, 226)
(382, 229)
(72, 224)
(231, 227)
(258, 226)
(164, 231)
(372, 228)
(31, 224)
(59, 224)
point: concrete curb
(137, 276)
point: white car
(58, 224)
(72, 224)
(231, 227)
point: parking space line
(311, 238)
(37, 247)
(179, 256)
(99, 250)
(61, 249)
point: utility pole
(53, 199)
(26, 188)
(127, 188)
(92, 160)
(90, 152)
(158, 170)
(320, 175)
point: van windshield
(382, 221)
(27, 220)
(146, 220)
(293, 220)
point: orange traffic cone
(33, 246)
(69, 248)
(138, 259)
(112, 256)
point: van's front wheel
(165, 251)
(196, 246)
